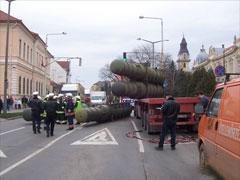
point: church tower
(183, 56)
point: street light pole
(161, 19)
(6, 61)
(153, 51)
(45, 67)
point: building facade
(28, 59)
(228, 57)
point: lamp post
(153, 43)
(6, 61)
(161, 19)
(45, 67)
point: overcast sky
(99, 31)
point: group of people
(170, 110)
(12, 102)
(53, 108)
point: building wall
(231, 57)
(57, 73)
(25, 61)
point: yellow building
(228, 57)
(28, 59)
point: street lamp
(6, 61)
(161, 19)
(45, 67)
(153, 43)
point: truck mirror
(198, 108)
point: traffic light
(124, 55)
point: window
(27, 53)
(19, 84)
(184, 65)
(37, 63)
(213, 107)
(31, 56)
(36, 85)
(27, 86)
(24, 49)
(20, 48)
(23, 85)
(31, 86)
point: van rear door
(228, 135)
(210, 132)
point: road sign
(101, 137)
(219, 71)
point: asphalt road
(93, 152)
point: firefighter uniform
(50, 108)
(37, 107)
(70, 111)
(61, 119)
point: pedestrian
(170, 110)
(1, 105)
(203, 99)
(70, 111)
(50, 107)
(24, 101)
(37, 108)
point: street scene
(107, 90)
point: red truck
(151, 117)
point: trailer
(148, 111)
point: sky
(100, 31)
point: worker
(37, 108)
(69, 111)
(60, 110)
(78, 105)
(203, 99)
(50, 107)
(170, 110)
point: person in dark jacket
(170, 110)
(203, 100)
(61, 110)
(50, 107)
(1, 105)
(70, 111)
(37, 108)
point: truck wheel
(202, 157)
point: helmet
(60, 95)
(69, 94)
(50, 95)
(78, 97)
(35, 93)
(39, 97)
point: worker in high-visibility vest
(78, 105)
(61, 119)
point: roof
(183, 47)
(64, 64)
(4, 18)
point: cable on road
(179, 139)
(132, 134)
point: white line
(35, 153)
(141, 148)
(11, 131)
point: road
(92, 151)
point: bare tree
(141, 54)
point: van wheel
(202, 157)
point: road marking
(36, 152)
(2, 155)
(12, 131)
(140, 144)
(101, 137)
